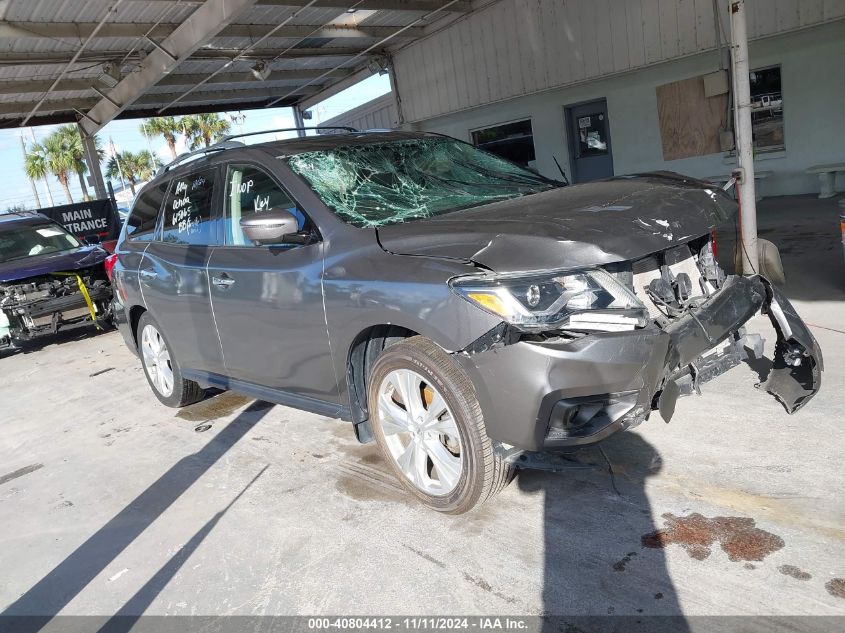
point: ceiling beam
(371, 5)
(199, 27)
(37, 86)
(69, 116)
(27, 58)
(82, 30)
(217, 100)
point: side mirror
(269, 227)
(92, 240)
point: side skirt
(268, 394)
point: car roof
(23, 217)
(291, 147)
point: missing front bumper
(555, 395)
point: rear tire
(437, 445)
(161, 368)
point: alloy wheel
(157, 360)
(420, 432)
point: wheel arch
(361, 355)
(135, 313)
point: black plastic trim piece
(268, 394)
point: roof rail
(293, 129)
(223, 144)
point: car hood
(602, 222)
(75, 259)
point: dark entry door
(589, 141)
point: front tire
(160, 367)
(428, 424)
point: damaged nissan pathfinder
(459, 310)
(48, 279)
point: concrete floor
(112, 503)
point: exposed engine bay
(42, 305)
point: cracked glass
(388, 183)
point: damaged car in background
(48, 279)
(468, 315)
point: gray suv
(468, 315)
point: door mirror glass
(269, 227)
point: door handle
(223, 281)
(148, 274)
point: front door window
(250, 190)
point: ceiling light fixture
(261, 71)
(109, 74)
(377, 65)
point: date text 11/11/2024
(421, 623)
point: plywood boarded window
(689, 121)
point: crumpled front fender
(795, 376)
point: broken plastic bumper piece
(796, 373)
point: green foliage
(132, 167)
(202, 130)
(60, 154)
(167, 127)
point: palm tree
(165, 126)
(124, 166)
(204, 129)
(147, 164)
(60, 160)
(71, 138)
(35, 163)
(133, 167)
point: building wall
(378, 114)
(813, 111)
(512, 48)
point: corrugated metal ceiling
(43, 56)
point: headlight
(555, 300)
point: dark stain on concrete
(214, 408)
(425, 556)
(795, 572)
(485, 586)
(658, 595)
(749, 566)
(836, 587)
(739, 537)
(621, 563)
(20, 472)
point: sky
(16, 190)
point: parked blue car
(48, 279)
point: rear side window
(188, 210)
(141, 224)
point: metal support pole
(93, 161)
(744, 140)
(298, 121)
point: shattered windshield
(27, 240)
(386, 183)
